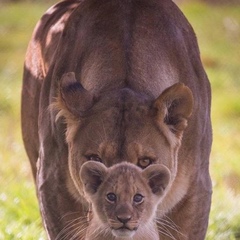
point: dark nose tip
(124, 219)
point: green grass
(19, 214)
(218, 31)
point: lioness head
(124, 199)
(122, 125)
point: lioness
(123, 209)
(114, 81)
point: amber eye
(144, 162)
(138, 198)
(111, 197)
(94, 157)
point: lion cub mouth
(124, 231)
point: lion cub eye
(144, 162)
(111, 197)
(94, 157)
(138, 198)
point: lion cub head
(124, 199)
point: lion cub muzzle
(124, 224)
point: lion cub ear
(92, 175)
(73, 96)
(174, 106)
(158, 177)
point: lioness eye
(144, 162)
(111, 197)
(138, 198)
(94, 158)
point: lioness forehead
(122, 128)
(126, 100)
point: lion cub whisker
(73, 228)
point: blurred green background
(218, 31)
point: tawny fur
(114, 81)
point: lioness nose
(124, 218)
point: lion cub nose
(124, 218)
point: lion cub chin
(124, 199)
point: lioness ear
(76, 99)
(158, 177)
(174, 106)
(92, 174)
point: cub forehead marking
(120, 176)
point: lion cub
(124, 200)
